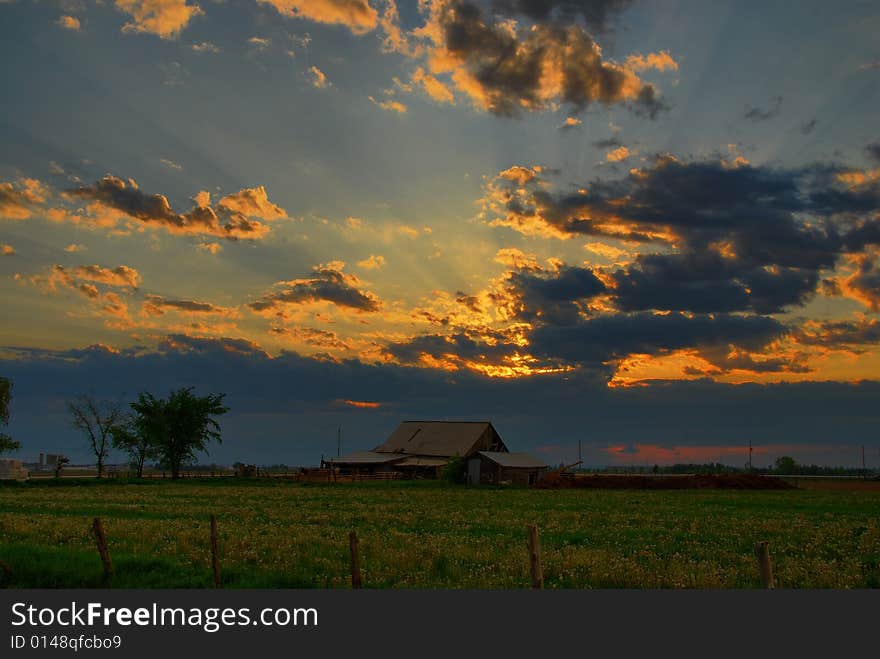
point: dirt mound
(685, 482)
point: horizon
(651, 229)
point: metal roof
(438, 438)
(366, 457)
(523, 460)
(416, 461)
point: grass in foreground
(427, 535)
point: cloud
(390, 104)
(252, 202)
(569, 123)
(112, 199)
(660, 61)
(157, 305)
(742, 238)
(68, 23)
(373, 262)
(432, 86)
(808, 127)
(269, 395)
(260, 43)
(619, 154)
(873, 151)
(211, 248)
(595, 341)
(507, 69)
(72, 248)
(761, 114)
(20, 199)
(597, 14)
(7, 250)
(163, 18)
(327, 283)
(205, 47)
(357, 15)
(318, 78)
(170, 164)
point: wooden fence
(533, 545)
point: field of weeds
(430, 535)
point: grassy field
(429, 535)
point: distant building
(12, 470)
(421, 449)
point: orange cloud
(661, 61)
(252, 202)
(618, 154)
(373, 262)
(390, 104)
(113, 200)
(164, 18)
(19, 199)
(432, 86)
(357, 15)
(7, 250)
(68, 23)
(363, 404)
(318, 78)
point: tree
(785, 465)
(455, 470)
(6, 442)
(134, 436)
(180, 426)
(97, 420)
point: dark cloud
(283, 410)
(761, 114)
(511, 68)
(706, 281)
(327, 282)
(157, 305)
(873, 151)
(231, 219)
(744, 238)
(597, 340)
(597, 14)
(556, 297)
(607, 143)
(839, 333)
(808, 126)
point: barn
(421, 449)
(498, 467)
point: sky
(652, 228)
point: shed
(504, 467)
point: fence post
(215, 559)
(535, 557)
(762, 552)
(101, 540)
(355, 560)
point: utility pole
(864, 471)
(579, 450)
(338, 441)
(750, 455)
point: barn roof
(439, 438)
(365, 457)
(416, 461)
(523, 460)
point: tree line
(170, 430)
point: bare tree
(6, 442)
(97, 420)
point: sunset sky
(650, 226)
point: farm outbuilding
(498, 467)
(421, 449)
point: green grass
(429, 535)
